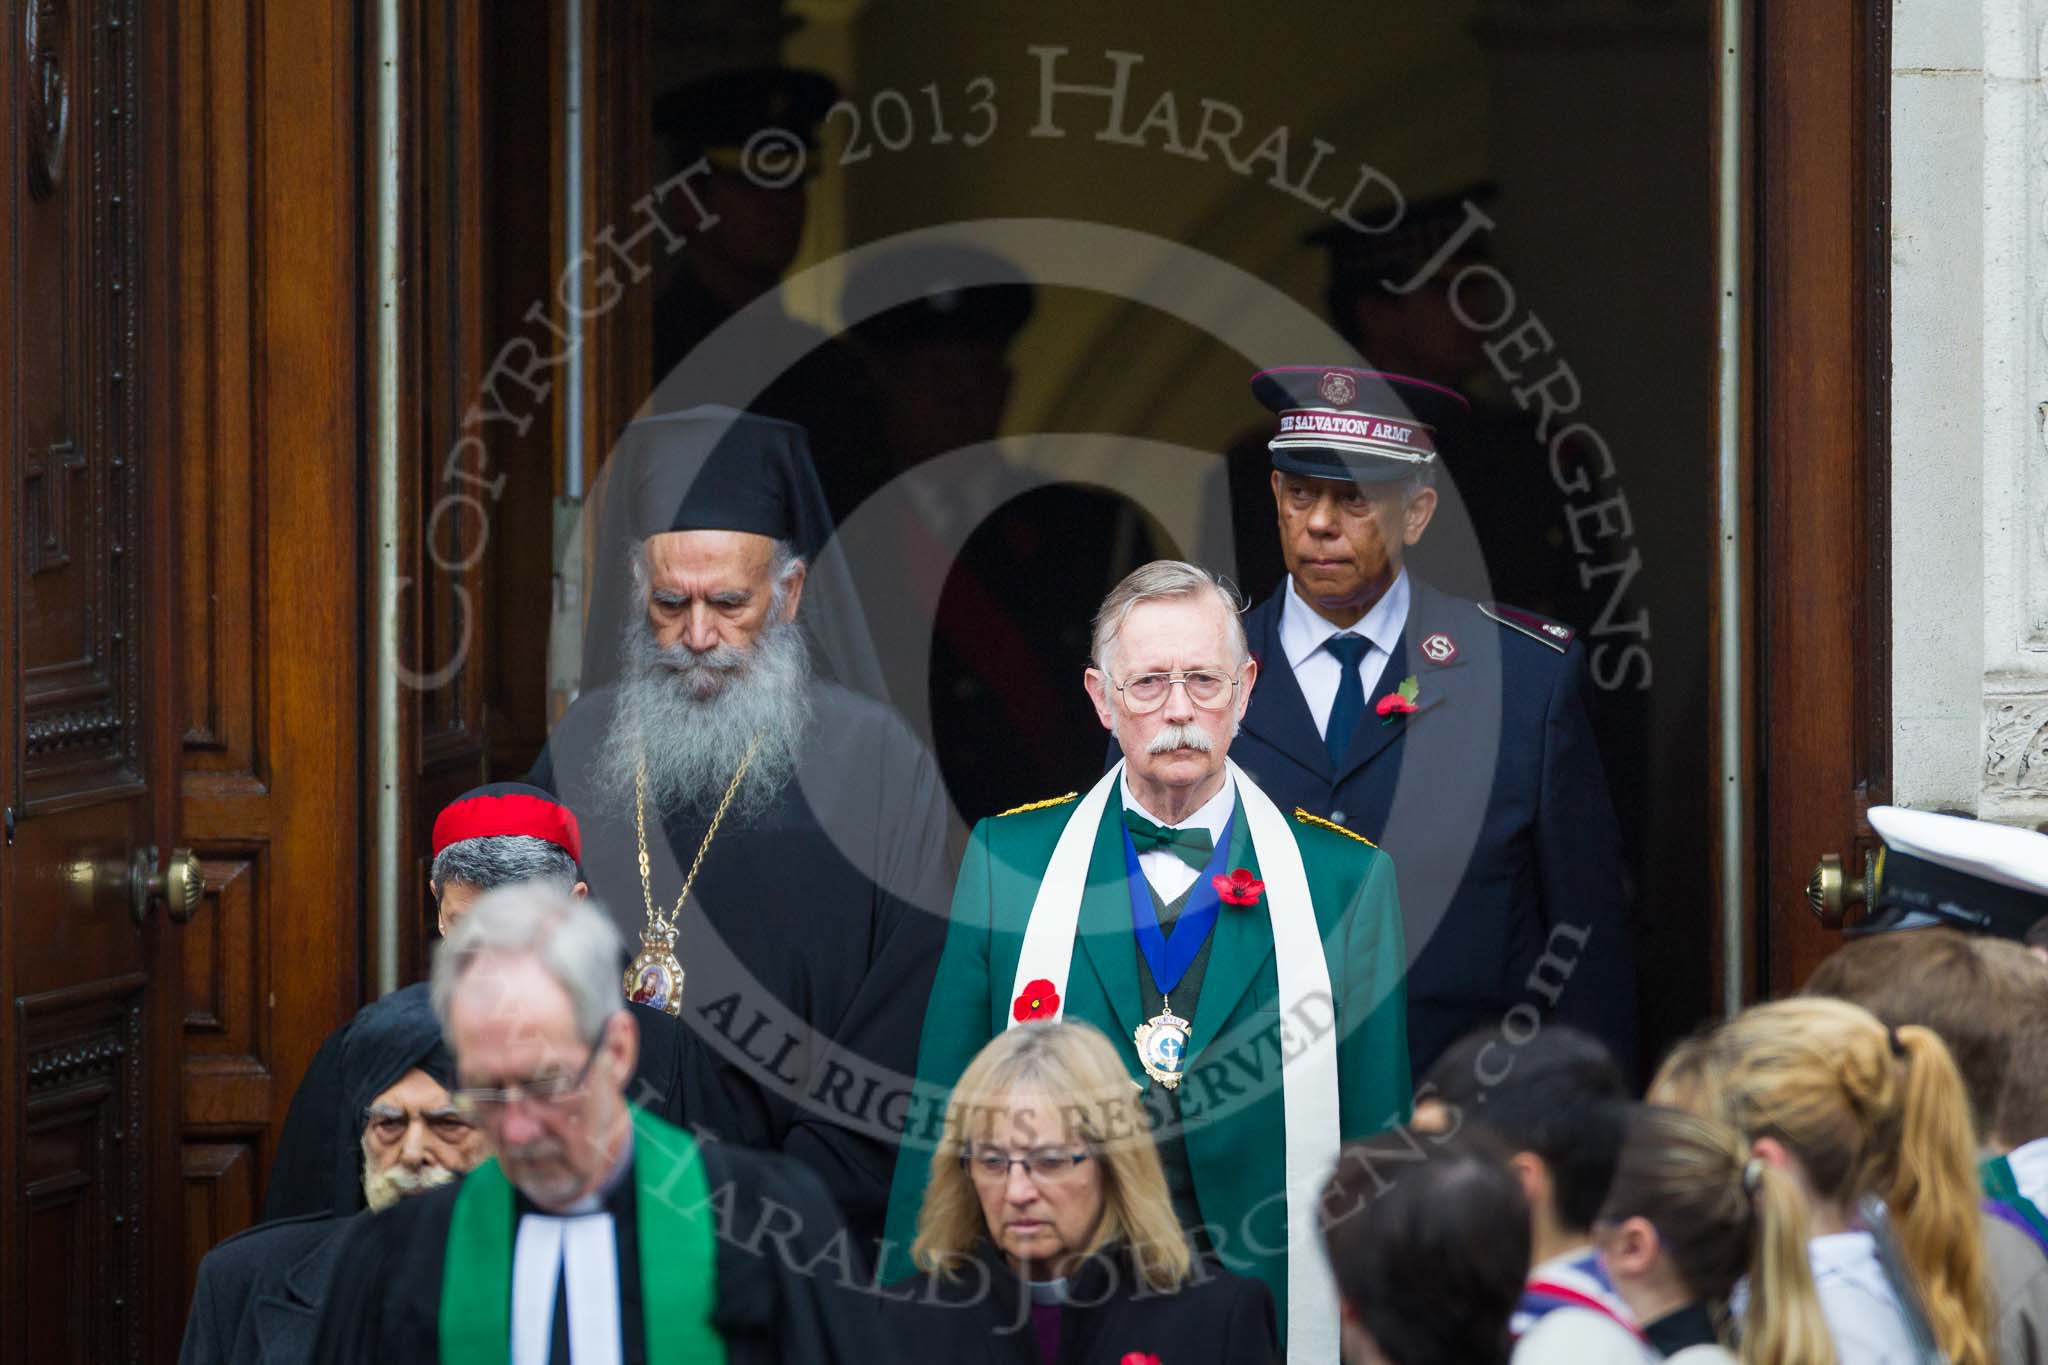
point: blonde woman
(1852, 1111)
(1047, 1236)
(1691, 1214)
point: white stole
(1308, 1079)
(583, 1246)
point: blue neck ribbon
(1169, 958)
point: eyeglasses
(388, 1127)
(1047, 1166)
(1147, 692)
(482, 1104)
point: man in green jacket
(1247, 962)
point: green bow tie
(1191, 846)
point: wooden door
(269, 290)
(89, 961)
(1820, 689)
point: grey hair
(1164, 580)
(784, 561)
(573, 937)
(490, 861)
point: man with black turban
(750, 819)
(259, 1293)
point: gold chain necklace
(655, 977)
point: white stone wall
(1969, 553)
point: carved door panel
(88, 956)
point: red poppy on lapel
(1399, 702)
(1138, 1358)
(1239, 888)
(1039, 1001)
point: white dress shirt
(1303, 634)
(1168, 875)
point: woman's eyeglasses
(1046, 1166)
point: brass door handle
(1831, 891)
(178, 884)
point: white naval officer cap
(1947, 869)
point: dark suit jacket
(983, 1317)
(259, 1293)
(1493, 803)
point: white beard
(383, 1188)
(691, 718)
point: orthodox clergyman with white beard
(772, 842)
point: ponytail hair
(1871, 1111)
(1931, 1188)
(1784, 1320)
(1720, 1214)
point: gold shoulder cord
(1038, 805)
(1308, 819)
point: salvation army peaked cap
(1336, 422)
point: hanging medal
(1165, 1042)
(655, 976)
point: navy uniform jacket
(1492, 801)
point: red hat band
(497, 815)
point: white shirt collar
(1851, 1253)
(1303, 632)
(1212, 815)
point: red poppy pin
(1239, 888)
(1039, 1001)
(1399, 702)
(1138, 1358)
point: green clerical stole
(678, 1256)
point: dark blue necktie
(1349, 708)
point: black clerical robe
(319, 1164)
(813, 936)
(788, 1286)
